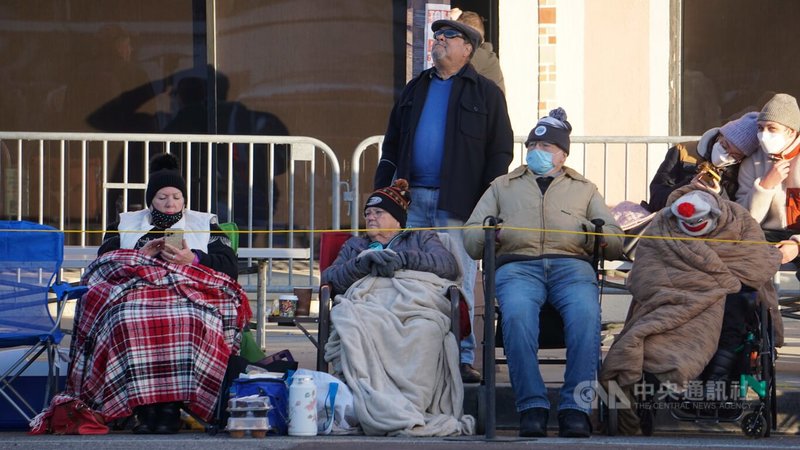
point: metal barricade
(620, 166)
(356, 167)
(77, 181)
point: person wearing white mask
(544, 254)
(769, 182)
(723, 147)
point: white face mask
(720, 157)
(772, 143)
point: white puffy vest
(134, 225)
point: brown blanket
(679, 288)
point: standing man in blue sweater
(449, 134)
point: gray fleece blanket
(391, 343)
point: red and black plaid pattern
(149, 332)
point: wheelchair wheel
(773, 400)
(755, 425)
(767, 410)
(768, 418)
(767, 350)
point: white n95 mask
(720, 157)
(772, 143)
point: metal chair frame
(14, 287)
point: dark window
(735, 54)
(320, 68)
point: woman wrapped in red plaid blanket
(161, 317)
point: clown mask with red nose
(696, 213)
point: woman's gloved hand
(368, 261)
(390, 262)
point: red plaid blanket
(148, 332)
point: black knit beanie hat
(164, 172)
(393, 199)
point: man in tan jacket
(544, 254)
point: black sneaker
(573, 423)
(469, 374)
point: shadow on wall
(189, 114)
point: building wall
(519, 58)
(606, 63)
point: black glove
(390, 261)
(367, 262)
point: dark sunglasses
(448, 33)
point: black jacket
(478, 140)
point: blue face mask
(539, 161)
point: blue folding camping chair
(30, 261)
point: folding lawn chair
(30, 260)
(551, 328)
(329, 246)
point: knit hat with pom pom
(393, 199)
(164, 172)
(553, 128)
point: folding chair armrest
(67, 291)
(324, 330)
(455, 315)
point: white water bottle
(303, 406)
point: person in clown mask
(770, 181)
(723, 147)
(544, 254)
(699, 263)
(695, 214)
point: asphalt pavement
(199, 441)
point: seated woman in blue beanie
(721, 149)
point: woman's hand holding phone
(177, 255)
(153, 248)
(174, 238)
(175, 249)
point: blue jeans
(570, 285)
(423, 213)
